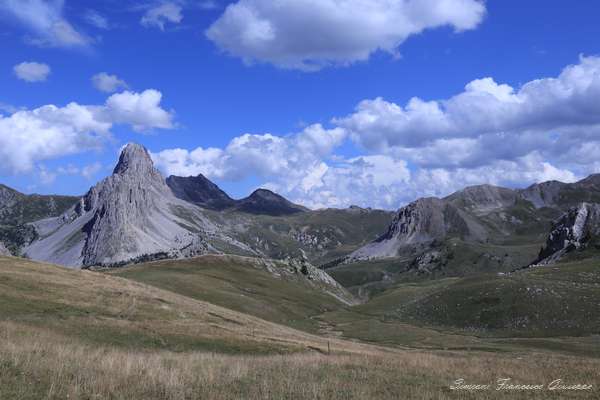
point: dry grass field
(86, 335)
(42, 365)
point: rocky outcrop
(571, 232)
(265, 202)
(200, 191)
(421, 223)
(131, 215)
(3, 250)
(320, 279)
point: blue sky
(311, 99)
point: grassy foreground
(87, 335)
(37, 364)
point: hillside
(18, 209)
(84, 334)
(272, 290)
(107, 310)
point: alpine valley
(162, 273)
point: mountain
(131, 215)
(200, 191)
(483, 199)
(265, 202)
(135, 215)
(479, 229)
(17, 208)
(481, 213)
(563, 196)
(421, 223)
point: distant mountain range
(136, 215)
(481, 229)
(203, 193)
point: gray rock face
(421, 222)
(131, 215)
(571, 232)
(3, 250)
(200, 191)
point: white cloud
(309, 34)
(263, 155)
(32, 71)
(108, 83)
(487, 121)
(140, 110)
(160, 15)
(44, 18)
(96, 19)
(30, 136)
(548, 129)
(89, 171)
(46, 177)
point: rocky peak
(421, 220)
(134, 159)
(128, 215)
(571, 232)
(420, 223)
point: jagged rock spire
(134, 159)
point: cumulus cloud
(160, 15)
(45, 20)
(140, 110)
(547, 129)
(32, 71)
(486, 121)
(264, 155)
(108, 83)
(308, 34)
(30, 136)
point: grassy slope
(79, 334)
(239, 284)
(554, 307)
(102, 309)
